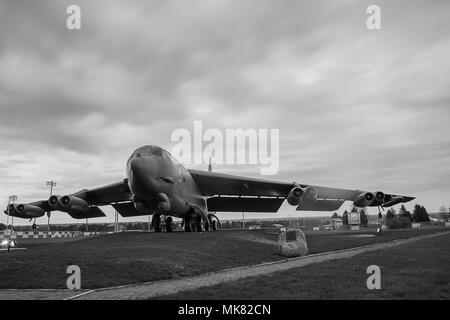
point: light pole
(11, 198)
(116, 221)
(51, 184)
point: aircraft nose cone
(144, 167)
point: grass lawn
(127, 258)
(415, 271)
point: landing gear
(215, 222)
(198, 223)
(169, 224)
(187, 224)
(194, 221)
(197, 220)
(156, 222)
(380, 217)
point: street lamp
(11, 199)
(51, 184)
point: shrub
(401, 222)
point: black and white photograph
(224, 155)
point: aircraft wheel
(214, 225)
(198, 223)
(187, 225)
(169, 224)
(157, 224)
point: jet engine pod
(295, 196)
(379, 196)
(364, 199)
(298, 194)
(310, 194)
(30, 210)
(379, 199)
(72, 203)
(164, 204)
(55, 203)
(11, 209)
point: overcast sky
(355, 108)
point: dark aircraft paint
(153, 174)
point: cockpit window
(149, 151)
(155, 151)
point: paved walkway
(37, 294)
(159, 288)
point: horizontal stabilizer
(320, 205)
(127, 209)
(243, 204)
(93, 212)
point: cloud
(355, 108)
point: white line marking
(79, 295)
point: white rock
(292, 243)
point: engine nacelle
(164, 204)
(55, 203)
(310, 194)
(11, 209)
(72, 203)
(294, 196)
(364, 199)
(379, 199)
(29, 210)
(298, 194)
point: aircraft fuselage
(160, 184)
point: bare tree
(443, 213)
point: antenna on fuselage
(210, 165)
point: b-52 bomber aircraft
(156, 184)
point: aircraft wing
(213, 183)
(236, 193)
(83, 204)
(105, 195)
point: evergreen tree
(404, 213)
(416, 212)
(425, 217)
(390, 214)
(363, 220)
(334, 216)
(420, 214)
(345, 218)
(408, 215)
(443, 212)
